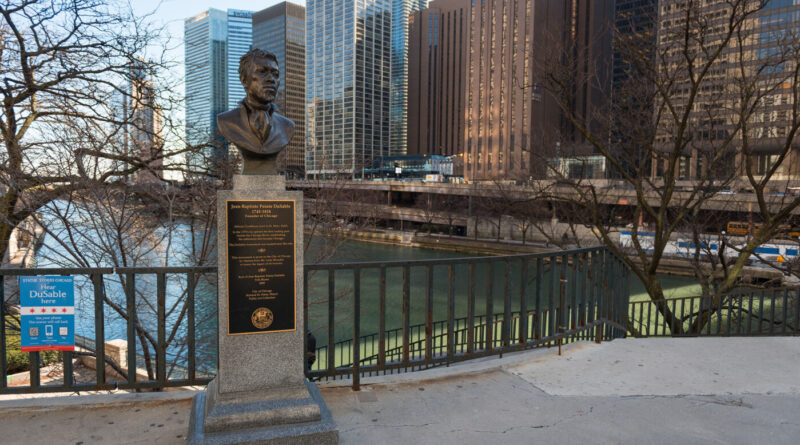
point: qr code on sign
(33, 332)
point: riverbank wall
(483, 246)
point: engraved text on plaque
(261, 266)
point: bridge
(609, 192)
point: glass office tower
(280, 30)
(401, 10)
(348, 70)
(214, 41)
(240, 39)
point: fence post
(523, 302)
(356, 329)
(161, 290)
(382, 319)
(130, 302)
(191, 282)
(406, 313)
(489, 334)
(470, 308)
(3, 364)
(306, 328)
(450, 313)
(331, 355)
(506, 332)
(428, 314)
(562, 310)
(99, 329)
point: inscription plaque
(261, 266)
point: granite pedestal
(260, 394)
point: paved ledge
(643, 366)
(94, 400)
(632, 391)
(671, 367)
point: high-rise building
(438, 45)
(401, 11)
(348, 70)
(635, 24)
(485, 59)
(747, 87)
(141, 137)
(634, 40)
(213, 43)
(280, 30)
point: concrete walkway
(635, 391)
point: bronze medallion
(262, 318)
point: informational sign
(47, 313)
(261, 266)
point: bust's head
(259, 74)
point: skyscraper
(280, 30)
(213, 43)
(401, 11)
(136, 109)
(635, 24)
(437, 54)
(348, 70)
(484, 59)
(747, 88)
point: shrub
(18, 361)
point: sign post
(47, 313)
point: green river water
(351, 251)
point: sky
(173, 12)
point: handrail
(567, 296)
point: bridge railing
(369, 318)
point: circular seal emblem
(261, 318)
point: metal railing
(745, 313)
(379, 316)
(565, 296)
(160, 332)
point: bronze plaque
(261, 266)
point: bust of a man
(255, 127)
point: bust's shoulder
(283, 119)
(230, 115)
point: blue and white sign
(47, 310)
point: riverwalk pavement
(632, 391)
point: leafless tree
(87, 101)
(90, 131)
(703, 107)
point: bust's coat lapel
(241, 135)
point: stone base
(277, 416)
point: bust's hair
(248, 59)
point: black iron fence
(531, 300)
(369, 318)
(742, 313)
(153, 310)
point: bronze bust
(255, 128)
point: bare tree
(86, 102)
(701, 108)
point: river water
(348, 251)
